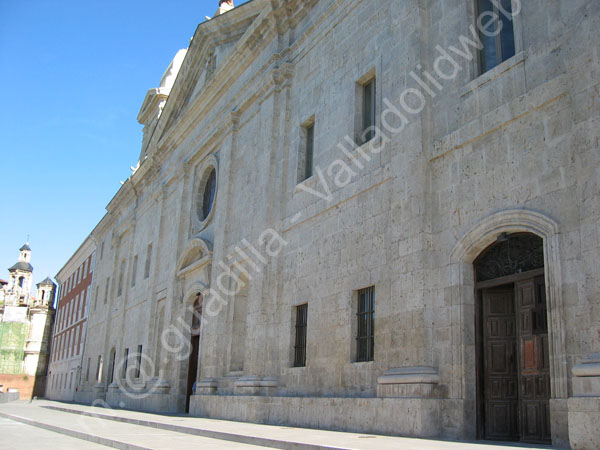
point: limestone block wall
(513, 150)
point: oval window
(208, 195)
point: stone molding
(253, 385)
(483, 235)
(408, 382)
(589, 367)
(410, 375)
(207, 386)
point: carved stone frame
(468, 248)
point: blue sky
(73, 76)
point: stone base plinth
(584, 406)
(408, 382)
(584, 423)
(151, 396)
(252, 385)
(391, 416)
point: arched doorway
(513, 363)
(194, 350)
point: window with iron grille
(365, 337)
(139, 362)
(496, 31)
(125, 361)
(301, 327)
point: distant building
(68, 338)
(25, 327)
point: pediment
(196, 255)
(209, 53)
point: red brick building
(68, 340)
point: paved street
(52, 425)
(17, 436)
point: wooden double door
(514, 362)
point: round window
(208, 195)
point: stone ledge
(589, 367)
(252, 385)
(408, 382)
(586, 377)
(410, 375)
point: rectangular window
(101, 250)
(301, 327)
(134, 270)
(120, 283)
(96, 298)
(87, 372)
(306, 150)
(106, 291)
(365, 342)
(148, 261)
(368, 111)
(496, 31)
(99, 369)
(139, 362)
(125, 360)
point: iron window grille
(301, 328)
(365, 338)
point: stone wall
(513, 150)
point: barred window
(301, 328)
(365, 341)
(125, 361)
(139, 362)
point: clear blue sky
(73, 75)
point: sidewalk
(137, 430)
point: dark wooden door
(192, 370)
(534, 373)
(500, 384)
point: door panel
(534, 375)
(500, 364)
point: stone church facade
(375, 218)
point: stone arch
(197, 253)
(468, 248)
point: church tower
(45, 292)
(21, 276)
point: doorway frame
(464, 350)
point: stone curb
(76, 434)
(220, 435)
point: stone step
(113, 434)
(213, 434)
(180, 431)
